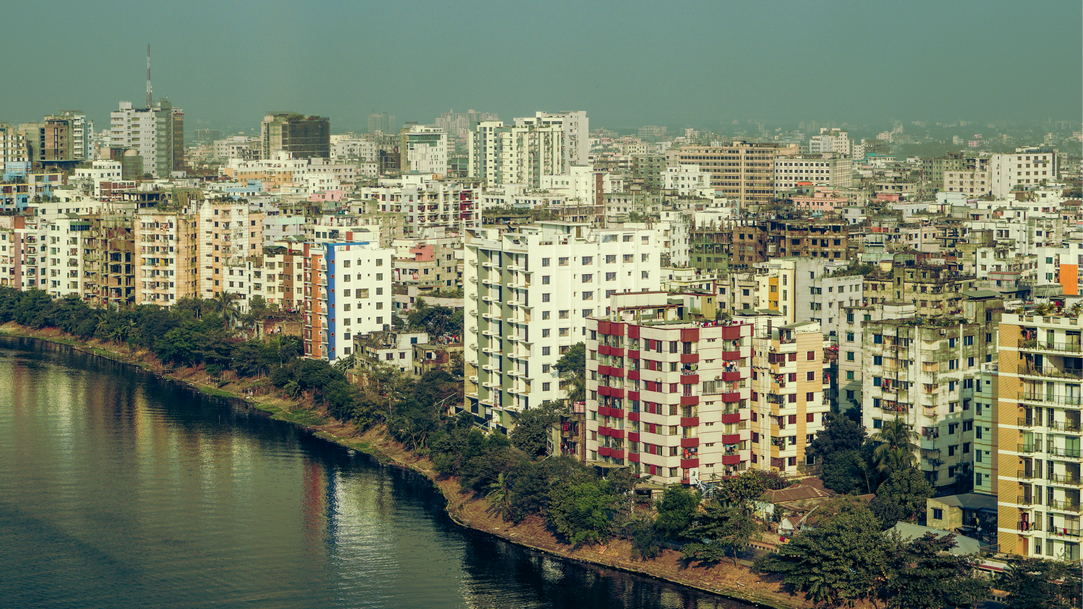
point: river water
(121, 490)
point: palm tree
(895, 446)
(499, 496)
(292, 388)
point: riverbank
(725, 579)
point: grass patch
(218, 393)
(305, 418)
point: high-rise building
(424, 149)
(787, 394)
(382, 122)
(666, 396)
(529, 294)
(347, 294)
(741, 170)
(13, 145)
(156, 134)
(303, 137)
(1029, 436)
(519, 154)
(167, 254)
(1026, 168)
(576, 129)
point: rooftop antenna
(149, 101)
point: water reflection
(124, 491)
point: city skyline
(846, 61)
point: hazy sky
(626, 63)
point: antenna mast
(149, 101)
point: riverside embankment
(466, 510)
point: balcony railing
(1045, 345)
(1029, 527)
(1064, 506)
(1065, 479)
(1059, 451)
(1033, 396)
(1064, 426)
(1064, 532)
(1029, 448)
(1052, 371)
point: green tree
(926, 576)
(645, 539)
(843, 561)
(582, 510)
(676, 509)
(901, 497)
(572, 367)
(840, 434)
(720, 530)
(531, 432)
(845, 472)
(895, 446)
(741, 491)
(1033, 583)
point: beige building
(741, 170)
(167, 251)
(788, 406)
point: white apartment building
(1027, 167)
(150, 132)
(820, 170)
(61, 256)
(424, 150)
(576, 129)
(529, 294)
(686, 179)
(98, 172)
(356, 148)
(347, 294)
(831, 140)
(167, 256)
(428, 205)
(546, 144)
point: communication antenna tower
(149, 101)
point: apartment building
(347, 294)
(429, 207)
(110, 261)
(167, 246)
(62, 256)
(156, 134)
(1035, 425)
(667, 397)
(820, 170)
(302, 137)
(924, 374)
(424, 149)
(740, 170)
(685, 179)
(229, 233)
(529, 294)
(1027, 167)
(787, 400)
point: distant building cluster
(729, 291)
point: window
(545, 332)
(588, 260)
(545, 261)
(545, 368)
(810, 418)
(545, 297)
(938, 514)
(545, 350)
(878, 339)
(545, 314)
(644, 275)
(629, 258)
(563, 314)
(545, 279)
(610, 276)
(849, 375)
(562, 261)
(849, 394)
(545, 386)
(810, 376)
(809, 397)
(810, 356)
(850, 337)
(877, 360)
(610, 258)
(849, 356)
